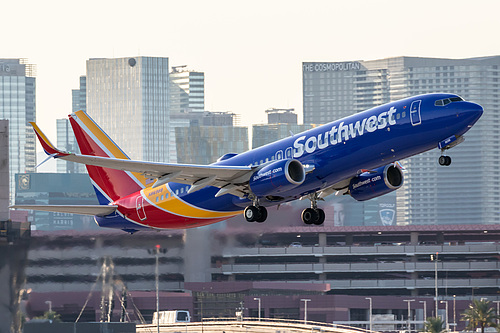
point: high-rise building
(17, 104)
(281, 116)
(129, 99)
(79, 96)
(66, 140)
(281, 123)
(187, 90)
(204, 137)
(467, 191)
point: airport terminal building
(465, 192)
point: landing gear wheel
(309, 215)
(262, 214)
(321, 217)
(251, 213)
(444, 160)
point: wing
(72, 209)
(230, 179)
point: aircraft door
(139, 206)
(415, 113)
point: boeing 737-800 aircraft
(356, 155)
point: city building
(281, 116)
(17, 104)
(129, 99)
(66, 141)
(203, 137)
(187, 90)
(56, 189)
(462, 193)
(281, 123)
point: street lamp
(370, 299)
(305, 309)
(257, 299)
(156, 251)
(409, 313)
(446, 311)
(425, 310)
(435, 259)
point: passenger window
(161, 197)
(403, 114)
(157, 199)
(398, 115)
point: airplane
(357, 156)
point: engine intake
(383, 180)
(277, 177)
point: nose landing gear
(444, 160)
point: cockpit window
(446, 101)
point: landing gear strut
(255, 213)
(313, 215)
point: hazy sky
(251, 52)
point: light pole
(425, 310)
(409, 313)
(257, 299)
(370, 299)
(156, 251)
(446, 312)
(454, 313)
(435, 259)
(305, 309)
(157, 289)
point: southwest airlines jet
(357, 155)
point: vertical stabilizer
(110, 184)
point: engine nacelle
(383, 180)
(277, 177)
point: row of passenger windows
(182, 190)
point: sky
(251, 51)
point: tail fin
(109, 184)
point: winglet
(49, 148)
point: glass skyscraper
(466, 192)
(129, 99)
(17, 104)
(187, 90)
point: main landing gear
(255, 213)
(313, 215)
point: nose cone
(472, 112)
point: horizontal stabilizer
(99, 210)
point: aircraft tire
(262, 214)
(309, 215)
(444, 160)
(251, 213)
(321, 217)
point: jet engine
(277, 177)
(372, 184)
